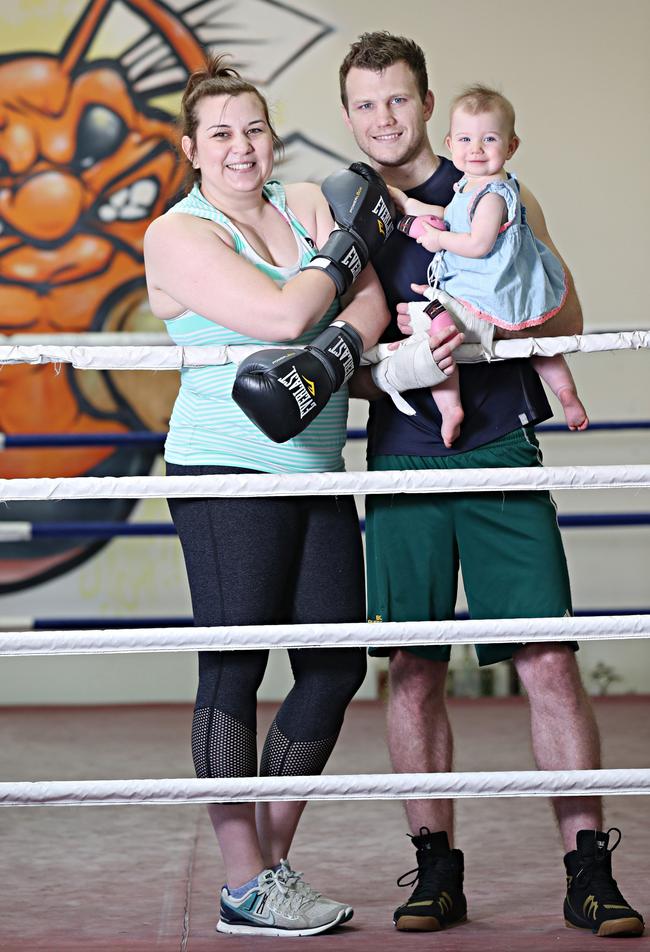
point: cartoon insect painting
(87, 160)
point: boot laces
(596, 871)
(429, 877)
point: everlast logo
(385, 222)
(357, 195)
(293, 382)
(342, 352)
(353, 262)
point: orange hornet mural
(84, 167)
(86, 162)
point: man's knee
(415, 678)
(548, 669)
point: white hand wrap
(420, 322)
(410, 367)
(475, 329)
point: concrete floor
(140, 878)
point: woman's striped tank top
(207, 427)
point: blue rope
(147, 438)
(109, 530)
(79, 624)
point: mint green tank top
(207, 427)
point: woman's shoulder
(309, 206)
(304, 195)
(180, 226)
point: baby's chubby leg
(446, 395)
(555, 372)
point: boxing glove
(281, 390)
(364, 212)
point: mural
(86, 162)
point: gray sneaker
(294, 879)
(274, 907)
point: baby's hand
(430, 238)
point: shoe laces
(429, 877)
(293, 878)
(282, 897)
(597, 871)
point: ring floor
(140, 878)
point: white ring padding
(168, 357)
(91, 339)
(507, 783)
(342, 635)
(15, 532)
(231, 485)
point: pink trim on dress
(533, 322)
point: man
(508, 545)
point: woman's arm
(188, 262)
(364, 306)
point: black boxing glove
(364, 211)
(281, 390)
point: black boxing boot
(437, 900)
(593, 900)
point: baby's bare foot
(452, 417)
(574, 411)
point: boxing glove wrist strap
(339, 348)
(343, 257)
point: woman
(223, 267)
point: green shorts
(507, 545)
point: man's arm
(569, 319)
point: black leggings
(292, 560)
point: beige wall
(577, 73)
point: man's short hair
(478, 98)
(379, 50)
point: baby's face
(481, 143)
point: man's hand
(442, 343)
(417, 362)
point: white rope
(510, 783)
(517, 479)
(91, 339)
(166, 357)
(343, 635)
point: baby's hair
(215, 78)
(478, 98)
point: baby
(493, 274)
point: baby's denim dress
(519, 283)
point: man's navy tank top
(497, 398)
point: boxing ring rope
(172, 357)
(461, 785)
(371, 786)
(341, 635)
(26, 531)
(510, 479)
(148, 437)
